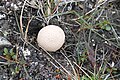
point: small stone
(4, 41)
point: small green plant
(15, 70)
(9, 54)
(82, 58)
(105, 25)
(84, 78)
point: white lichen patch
(26, 52)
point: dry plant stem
(24, 64)
(18, 25)
(69, 24)
(58, 14)
(97, 5)
(106, 77)
(26, 31)
(52, 15)
(99, 15)
(112, 49)
(95, 67)
(116, 36)
(57, 67)
(32, 4)
(68, 1)
(49, 7)
(9, 60)
(111, 74)
(72, 33)
(4, 63)
(88, 70)
(64, 8)
(42, 11)
(116, 76)
(56, 7)
(55, 10)
(21, 24)
(40, 16)
(113, 24)
(75, 73)
(82, 70)
(100, 68)
(27, 73)
(69, 45)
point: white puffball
(51, 38)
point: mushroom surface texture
(51, 38)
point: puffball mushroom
(51, 38)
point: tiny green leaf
(84, 78)
(16, 69)
(105, 22)
(83, 59)
(4, 54)
(11, 50)
(14, 57)
(114, 69)
(5, 50)
(107, 27)
(11, 54)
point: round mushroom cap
(51, 38)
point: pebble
(4, 41)
(2, 16)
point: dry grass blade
(73, 68)
(83, 70)
(26, 31)
(21, 23)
